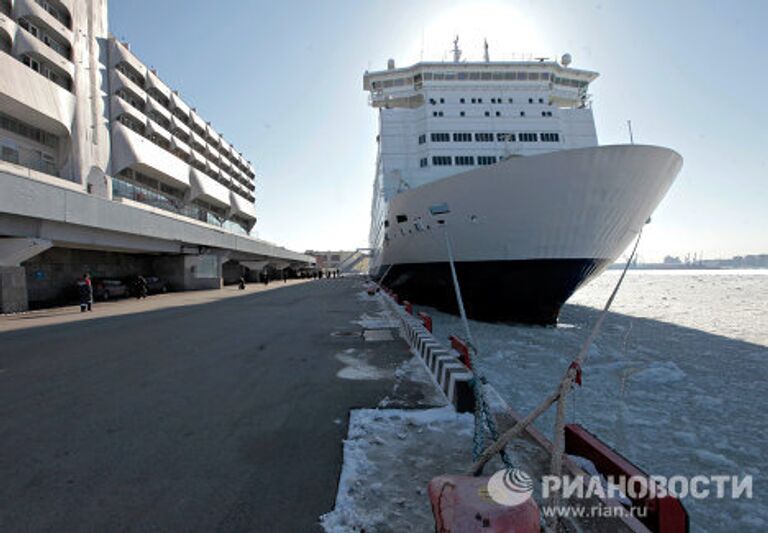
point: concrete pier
(213, 410)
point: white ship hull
(525, 232)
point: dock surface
(210, 413)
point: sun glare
(511, 34)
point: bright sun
(510, 33)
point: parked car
(107, 289)
(156, 285)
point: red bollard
(408, 307)
(461, 503)
(426, 320)
(461, 347)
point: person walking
(241, 284)
(85, 292)
(141, 287)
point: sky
(282, 81)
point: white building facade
(84, 122)
(78, 104)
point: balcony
(197, 123)
(180, 129)
(121, 107)
(203, 187)
(131, 150)
(34, 99)
(213, 138)
(119, 53)
(155, 107)
(157, 89)
(26, 44)
(181, 149)
(118, 80)
(32, 10)
(242, 207)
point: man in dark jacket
(85, 292)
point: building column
(13, 276)
(191, 271)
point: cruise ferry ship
(501, 160)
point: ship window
(423, 162)
(510, 100)
(440, 137)
(386, 223)
(541, 100)
(528, 137)
(401, 218)
(442, 100)
(530, 100)
(545, 76)
(498, 113)
(484, 137)
(479, 100)
(550, 137)
(461, 100)
(493, 100)
(486, 159)
(422, 139)
(505, 137)
(487, 113)
(462, 137)
(522, 113)
(441, 160)
(474, 100)
(465, 160)
(461, 113)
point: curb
(443, 364)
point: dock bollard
(461, 347)
(426, 320)
(461, 503)
(408, 307)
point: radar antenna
(485, 51)
(456, 50)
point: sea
(677, 380)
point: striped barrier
(444, 365)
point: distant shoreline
(662, 266)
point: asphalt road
(225, 415)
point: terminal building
(105, 168)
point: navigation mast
(456, 50)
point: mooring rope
(483, 417)
(560, 393)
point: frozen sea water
(677, 381)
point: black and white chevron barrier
(443, 364)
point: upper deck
(403, 87)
